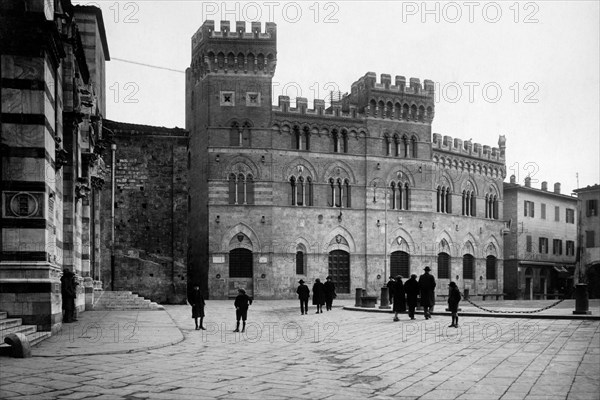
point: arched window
(444, 200)
(389, 109)
(400, 264)
(301, 192)
(300, 260)
(344, 141)
(443, 266)
(490, 267)
(336, 141)
(241, 189)
(373, 108)
(405, 145)
(306, 138)
(396, 145)
(468, 266)
(387, 145)
(413, 145)
(339, 193)
(235, 135)
(393, 202)
(240, 61)
(230, 61)
(468, 203)
(381, 110)
(246, 139)
(405, 111)
(221, 60)
(309, 191)
(413, 112)
(297, 138)
(294, 190)
(397, 111)
(421, 113)
(406, 197)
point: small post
(581, 300)
(384, 303)
(358, 301)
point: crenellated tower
(230, 74)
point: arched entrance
(339, 270)
(400, 264)
(240, 271)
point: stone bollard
(358, 301)
(581, 300)
(19, 345)
(384, 303)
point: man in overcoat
(411, 288)
(303, 295)
(427, 288)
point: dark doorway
(339, 270)
(400, 264)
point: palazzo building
(540, 250)
(359, 189)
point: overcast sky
(527, 70)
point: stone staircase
(15, 325)
(120, 301)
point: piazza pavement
(340, 354)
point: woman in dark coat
(318, 295)
(329, 293)
(399, 300)
(197, 302)
(411, 288)
(453, 300)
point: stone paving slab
(106, 332)
(334, 355)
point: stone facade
(150, 223)
(540, 248)
(51, 143)
(589, 236)
(357, 189)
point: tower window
(227, 99)
(252, 99)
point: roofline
(516, 187)
(98, 12)
(587, 189)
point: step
(10, 322)
(34, 339)
(24, 329)
(3, 315)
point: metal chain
(516, 312)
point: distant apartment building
(540, 249)
(589, 199)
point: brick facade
(279, 193)
(150, 202)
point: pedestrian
(399, 300)
(197, 302)
(303, 294)
(453, 300)
(411, 288)
(242, 302)
(318, 291)
(427, 287)
(390, 285)
(68, 290)
(329, 293)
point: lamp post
(384, 303)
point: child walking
(453, 300)
(242, 302)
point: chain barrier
(516, 312)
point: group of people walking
(323, 295)
(408, 294)
(402, 295)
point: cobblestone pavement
(335, 355)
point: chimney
(528, 181)
(545, 186)
(513, 179)
(557, 187)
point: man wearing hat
(242, 302)
(427, 287)
(303, 294)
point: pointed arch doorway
(339, 270)
(240, 271)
